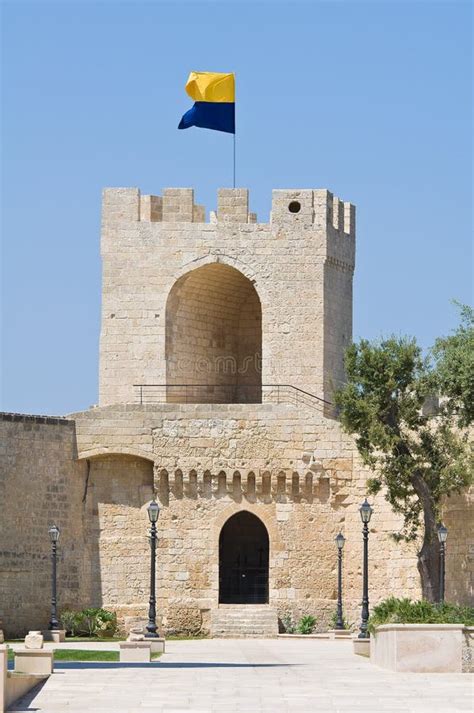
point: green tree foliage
(454, 368)
(418, 459)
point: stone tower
(225, 310)
(221, 343)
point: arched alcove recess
(213, 337)
(244, 554)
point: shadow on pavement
(157, 664)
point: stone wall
(94, 475)
(458, 516)
(295, 470)
(118, 491)
(41, 483)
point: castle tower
(218, 341)
(224, 311)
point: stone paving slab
(249, 676)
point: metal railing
(229, 394)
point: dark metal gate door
(243, 561)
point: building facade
(221, 345)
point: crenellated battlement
(317, 209)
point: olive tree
(418, 458)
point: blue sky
(369, 99)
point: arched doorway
(243, 560)
(214, 337)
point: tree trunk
(428, 556)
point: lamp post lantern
(340, 540)
(153, 513)
(54, 537)
(365, 514)
(442, 537)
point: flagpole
(234, 159)
(235, 127)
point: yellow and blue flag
(214, 97)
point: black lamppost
(54, 537)
(365, 515)
(153, 513)
(442, 537)
(340, 540)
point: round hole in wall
(294, 207)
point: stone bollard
(34, 640)
(136, 634)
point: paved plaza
(271, 676)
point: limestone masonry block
(349, 219)
(36, 661)
(135, 651)
(199, 214)
(151, 208)
(34, 640)
(121, 205)
(233, 205)
(178, 205)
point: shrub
(334, 621)
(70, 621)
(288, 624)
(406, 611)
(90, 622)
(306, 624)
(106, 623)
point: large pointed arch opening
(244, 551)
(214, 337)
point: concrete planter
(418, 648)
